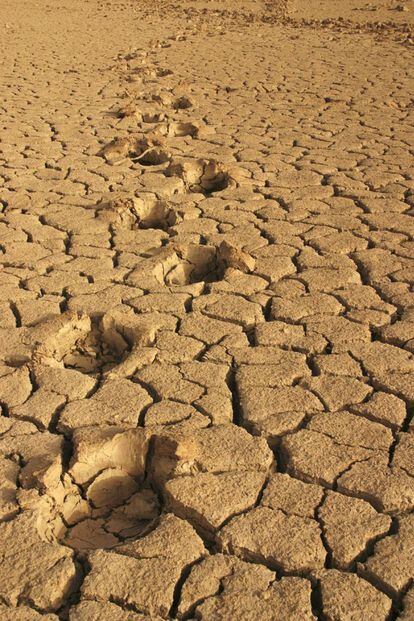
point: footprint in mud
(126, 211)
(78, 348)
(176, 265)
(202, 175)
(168, 99)
(153, 157)
(182, 103)
(163, 73)
(146, 151)
(74, 341)
(115, 508)
(184, 264)
(153, 117)
(143, 114)
(150, 72)
(103, 497)
(183, 129)
(194, 264)
(178, 130)
(202, 263)
(154, 107)
(128, 111)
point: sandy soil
(206, 311)
(354, 10)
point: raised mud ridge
(206, 313)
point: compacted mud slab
(207, 311)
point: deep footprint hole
(95, 353)
(201, 176)
(83, 343)
(144, 151)
(182, 103)
(116, 508)
(132, 212)
(152, 157)
(162, 73)
(196, 263)
(209, 186)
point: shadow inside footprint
(178, 130)
(182, 103)
(162, 73)
(115, 509)
(74, 341)
(152, 157)
(131, 212)
(201, 176)
(137, 149)
(195, 263)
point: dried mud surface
(207, 311)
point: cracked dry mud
(207, 310)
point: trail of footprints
(154, 488)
